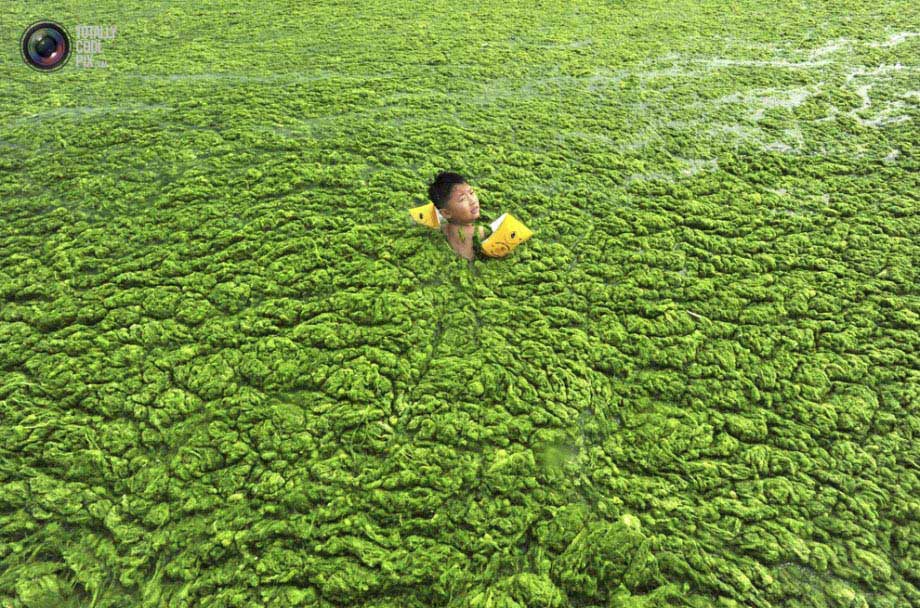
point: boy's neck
(459, 223)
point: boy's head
(454, 198)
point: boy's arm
(478, 237)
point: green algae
(233, 374)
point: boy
(459, 205)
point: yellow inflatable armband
(507, 233)
(426, 215)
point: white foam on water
(770, 98)
(236, 77)
(84, 111)
(882, 120)
(820, 56)
(802, 210)
(642, 177)
(706, 65)
(599, 137)
(523, 88)
(883, 117)
(830, 48)
(789, 98)
(795, 134)
(878, 71)
(598, 81)
(894, 39)
(774, 63)
(777, 146)
(739, 131)
(635, 144)
(675, 124)
(699, 165)
(888, 107)
(893, 155)
(863, 93)
(832, 115)
(577, 44)
(671, 56)
(830, 58)
(671, 71)
(747, 43)
(762, 99)
(574, 44)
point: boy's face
(463, 205)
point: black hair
(439, 190)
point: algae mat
(234, 373)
